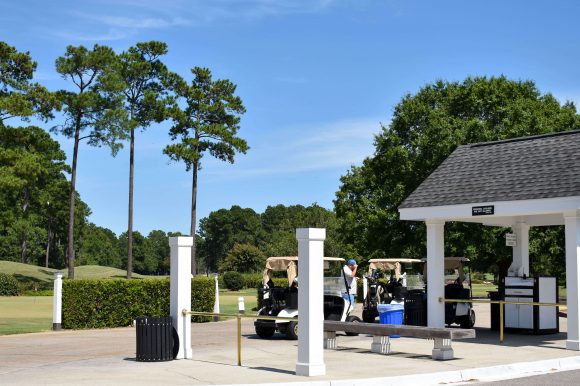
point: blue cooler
(391, 314)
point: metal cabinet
(523, 317)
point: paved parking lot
(104, 357)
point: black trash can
(416, 308)
(494, 312)
(154, 339)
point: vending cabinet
(539, 319)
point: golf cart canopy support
(517, 183)
(392, 264)
(288, 264)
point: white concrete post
(57, 302)
(180, 288)
(216, 304)
(241, 305)
(435, 273)
(572, 277)
(521, 252)
(311, 302)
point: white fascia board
(503, 210)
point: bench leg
(330, 340)
(381, 344)
(442, 350)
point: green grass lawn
(481, 290)
(34, 276)
(229, 300)
(20, 314)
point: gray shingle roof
(544, 166)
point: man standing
(349, 274)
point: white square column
(572, 276)
(435, 273)
(310, 301)
(57, 302)
(521, 252)
(180, 288)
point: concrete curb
(487, 374)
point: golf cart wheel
(468, 321)
(354, 319)
(368, 316)
(292, 331)
(265, 332)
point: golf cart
(389, 281)
(461, 313)
(283, 301)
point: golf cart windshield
(288, 264)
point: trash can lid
(389, 307)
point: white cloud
(137, 23)
(308, 148)
(110, 35)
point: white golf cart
(461, 313)
(283, 301)
(388, 281)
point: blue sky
(317, 78)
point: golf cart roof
(288, 264)
(392, 263)
(453, 263)
(281, 263)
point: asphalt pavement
(107, 357)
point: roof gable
(545, 166)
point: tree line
(111, 96)
(116, 95)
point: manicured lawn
(481, 290)
(34, 276)
(20, 314)
(229, 300)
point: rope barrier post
(501, 311)
(239, 340)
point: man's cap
(351, 262)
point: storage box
(390, 313)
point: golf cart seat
(456, 291)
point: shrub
(243, 258)
(37, 293)
(8, 285)
(233, 280)
(252, 280)
(117, 302)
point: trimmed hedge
(117, 302)
(8, 285)
(234, 281)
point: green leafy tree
(145, 262)
(224, 228)
(208, 122)
(243, 258)
(29, 159)
(141, 73)
(425, 129)
(91, 112)
(33, 195)
(280, 222)
(19, 96)
(99, 246)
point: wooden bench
(381, 341)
